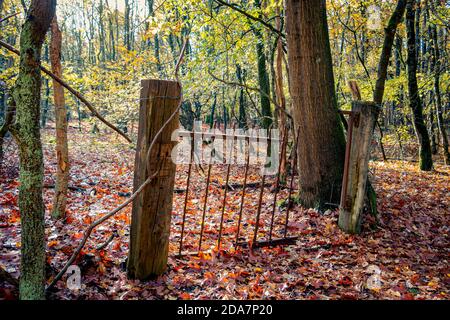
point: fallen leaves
(410, 248)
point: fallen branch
(6, 276)
(73, 91)
(107, 242)
(96, 223)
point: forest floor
(410, 247)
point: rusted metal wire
(277, 187)
(244, 187)
(225, 192)
(291, 185)
(261, 194)
(258, 213)
(188, 183)
(206, 198)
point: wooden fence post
(150, 225)
(352, 201)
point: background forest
(109, 46)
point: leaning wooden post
(364, 115)
(150, 224)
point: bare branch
(74, 92)
(9, 17)
(248, 15)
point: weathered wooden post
(364, 116)
(150, 225)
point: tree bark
(26, 131)
(62, 151)
(321, 147)
(263, 75)
(437, 94)
(352, 200)
(426, 161)
(152, 209)
(281, 102)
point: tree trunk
(426, 161)
(62, 152)
(263, 75)
(240, 75)
(321, 147)
(437, 94)
(26, 131)
(45, 104)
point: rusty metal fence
(232, 221)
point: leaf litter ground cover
(409, 248)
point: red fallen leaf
(8, 199)
(407, 296)
(78, 235)
(87, 220)
(6, 294)
(415, 278)
(14, 216)
(69, 219)
(257, 289)
(345, 281)
(185, 296)
(349, 296)
(117, 246)
(209, 275)
(101, 268)
(53, 243)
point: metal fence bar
(291, 185)
(225, 193)
(188, 183)
(206, 200)
(244, 187)
(277, 186)
(261, 194)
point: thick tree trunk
(62, 151)
(426, 161)
(26, 131)
(321, 147)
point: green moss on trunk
(26, 131)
